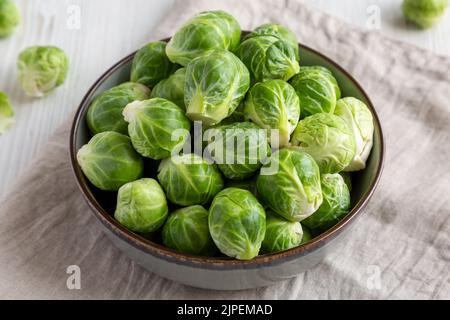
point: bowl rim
(162, 252)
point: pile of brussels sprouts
(289, 140)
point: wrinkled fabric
(399, 248)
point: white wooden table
(106, 31)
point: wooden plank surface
(97, 33)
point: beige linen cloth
(400, 247)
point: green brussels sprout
(157, 127)
(172, 88)
(238, 149)
(216, 82)
(273, 104)
(41, 69)
(151, 65)
(328, 139)
(189, 179)
(6, 113)
(329, 75)
(317, 89)
(293, 190)
(281, 234)
(424, 13)
(187, 231)
(279, 31)
(347, 179)
(9, 17)
(306, 234)
(359, 118)
(141, 206)
(336, 203)
(206, 31)
(105, 112)
(109, 161)
(237, 223)
(268, 57)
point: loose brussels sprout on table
(187, 231)
(273, 104)
(293, 191)
(141, 206)
(317, 89)
(189, 179)
(9, 17)
(219, 195)
(41, 69)
(336, 203)
(281, 234)
(215, 84)
(6, 113)
(105, 112)
(268, 57)
(151, 65)
(172, 88)
(109, 161)
(152, 124)
(239, 149)
(360, 120)
(328, 139)
(424, 13)
(206, 31)
(237, 223)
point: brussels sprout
(215, 84)
(105, 112)
(9, 17)
(239, 149)
(151, 65)
(268, 57)
(273, 104)
(152, 127)
(347, 179)
(237, 223)
(6, 113)
(293, 191)
(109, 161)
(328, 139)
(317, 89)
(306, 234)
(336, 203)
(189, 179)
(141, 206)
(424, 13)
(359, 118)
(281, 234)
(329, 75)
(187, 231)
(279, 31)
(205, 32)
(41, 69)
(172, 88)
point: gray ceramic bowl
(224, 273)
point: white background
(110, 29)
